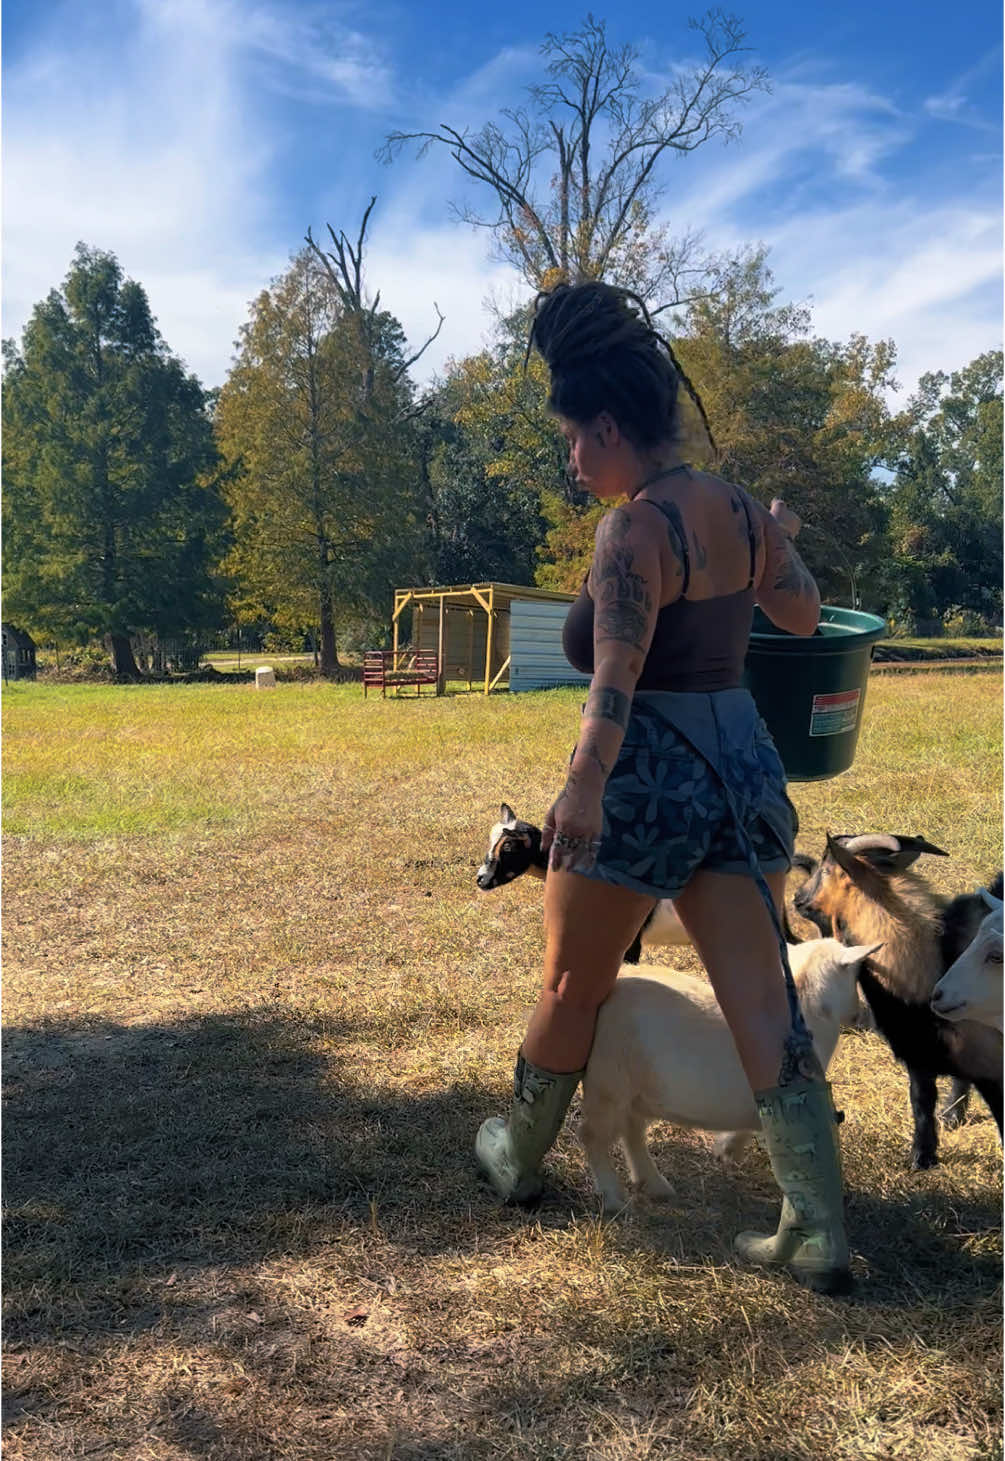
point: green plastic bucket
(811, 690)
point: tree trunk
(329, 654)
(121, 651)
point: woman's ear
(605, 430)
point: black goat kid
(864, 890)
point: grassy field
(256, 1008)
(989, 646)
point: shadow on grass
(209, 1135)
(167, 1142)
(217, 1143)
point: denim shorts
(692, 767)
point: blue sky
(198, 140)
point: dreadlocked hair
(604, 356)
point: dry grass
(255, 1010)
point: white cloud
(954, 105)
(872, 249)
(800, 137)
(157, 151)
(927, 277)
(308, 52)
(162, 152)
(150, 154)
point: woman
(675, 788)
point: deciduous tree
(576, 174)
(795, 416)
(315, 417)
(946, 501)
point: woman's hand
(574, 825)
(785, 517)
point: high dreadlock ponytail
(604, 356)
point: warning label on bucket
(832, 715)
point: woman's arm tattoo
(588, 747)
(623, 603)
(609, 704)
(793, 577)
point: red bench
(396, 667)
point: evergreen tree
(112, 515)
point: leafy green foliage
(325, 492)
(796, 417)
(946, 502)
(112, 514)
(496, 465)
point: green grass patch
(255, 1008)
(947, 648)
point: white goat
(663, 1051)
(971, 988)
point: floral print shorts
(668, 813)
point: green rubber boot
(798, 1124)
(510, 1151)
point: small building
(18, 653)
(495, 635)
(537, 659)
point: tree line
(140, 506)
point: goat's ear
(507, 815)
(804, 862)
(856, 953)
(919, 845)
(995, 904)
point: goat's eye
(995, 958)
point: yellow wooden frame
(490, 598)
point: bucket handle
(828, 538)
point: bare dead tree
(575, 174)
(344, 267)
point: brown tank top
(697, 644)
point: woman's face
(597, 455)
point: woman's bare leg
(733, 933)
(589, 925)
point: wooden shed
(18, 653)
(470, 628)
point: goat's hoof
(953, 1119)
(921, 1161)
(658, 1191)
(612, 1204)
(731, 1146)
